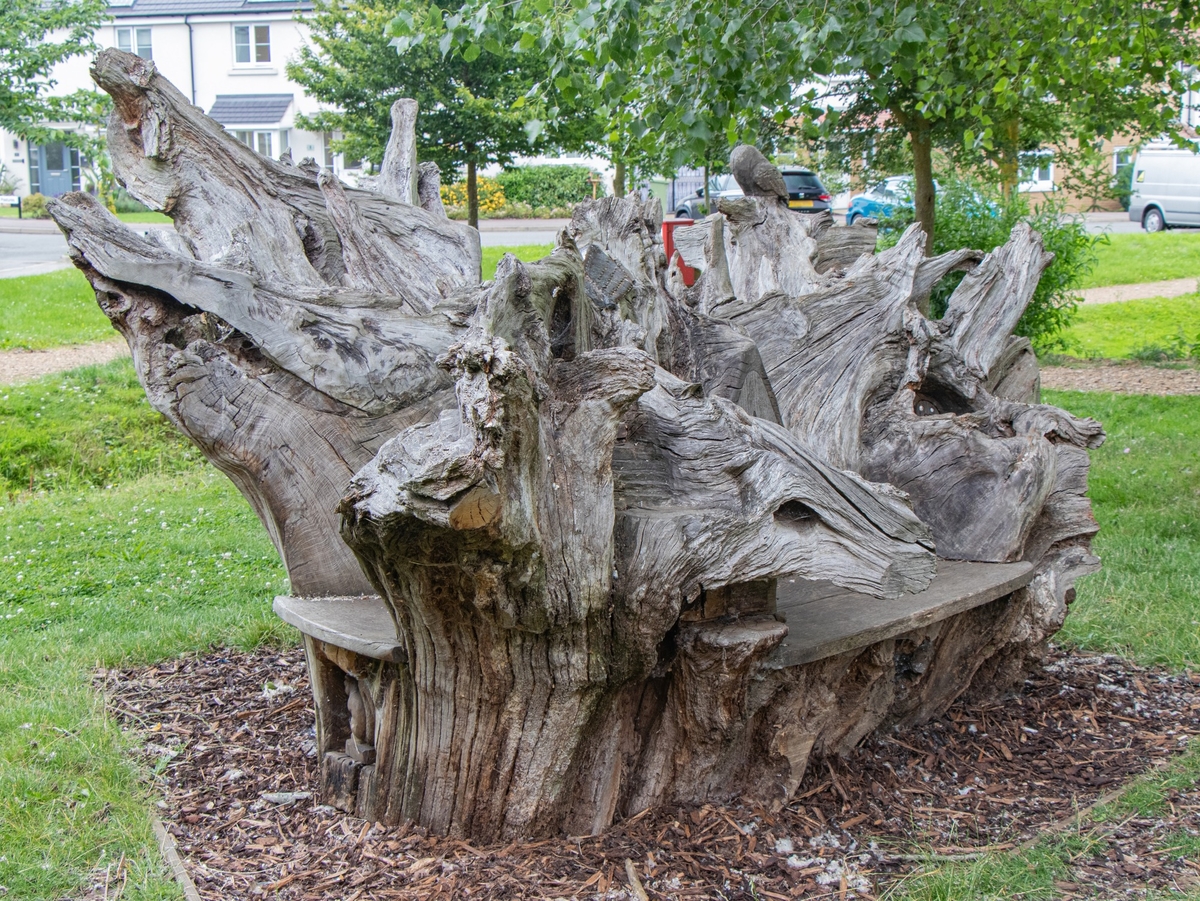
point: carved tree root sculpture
(584, 495)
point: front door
(56, 174)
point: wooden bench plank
(824, 620)
(361, 624)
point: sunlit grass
(87, 427)
(1145, 491)
(8, 212)
(168, 559)
(1129, 259)
(1134, 328)
(525, 252)
(48, 310)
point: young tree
(999, 77)
(36, 35)
(474, 107)
(946, 72)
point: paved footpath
(1116, 293)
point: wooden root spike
(398, 172)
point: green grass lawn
(9, 212)
(525, 252)
(1132, 258)
(50, 310)
(59, 308)
(1145, 489)
(106, 562)
(1157, 329)
(1144, 604)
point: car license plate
(797, 204)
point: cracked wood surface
(576, 487)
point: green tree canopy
(952, 72)
(36, 35)
(475, 106)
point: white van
(1166, 188)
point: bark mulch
(230, 736)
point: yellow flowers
(491, 195)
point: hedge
(547, 186)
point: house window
(251, 44)
(327, 137)
(135, 40)
(1122, 156)
(1037, 171)
(262, 141)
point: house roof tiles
(250, 109)
(143, 8)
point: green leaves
(35, 36)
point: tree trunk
(472, 195)
(924, 191)
(618, 178)
(1010, 157)
(602, 516)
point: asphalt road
(29, 254)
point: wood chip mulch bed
(231, 736)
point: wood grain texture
(824, 620)
(359, 624)
(576, 488)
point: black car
(806, 194)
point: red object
(825, 197)
(669, 226)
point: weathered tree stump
(604, 541)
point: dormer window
(251, 44)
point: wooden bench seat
(823, 620)
(361, 624)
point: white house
(228, 56)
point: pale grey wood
(361, 624)
(852, 362)
(398, 171)
(840, 246)
(429, 188)
(575, 487)
(373, 352)
(755, 175)
(691, 239)
(823, 621)
(251, 212)
(989, 301)
(1015, 374)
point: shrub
(10, 182)
(547, 186)
(970, 214)
(1123, 184)
(127, 203)
(34, 206)
(511, 210)
(491, 195)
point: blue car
(882, 200)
